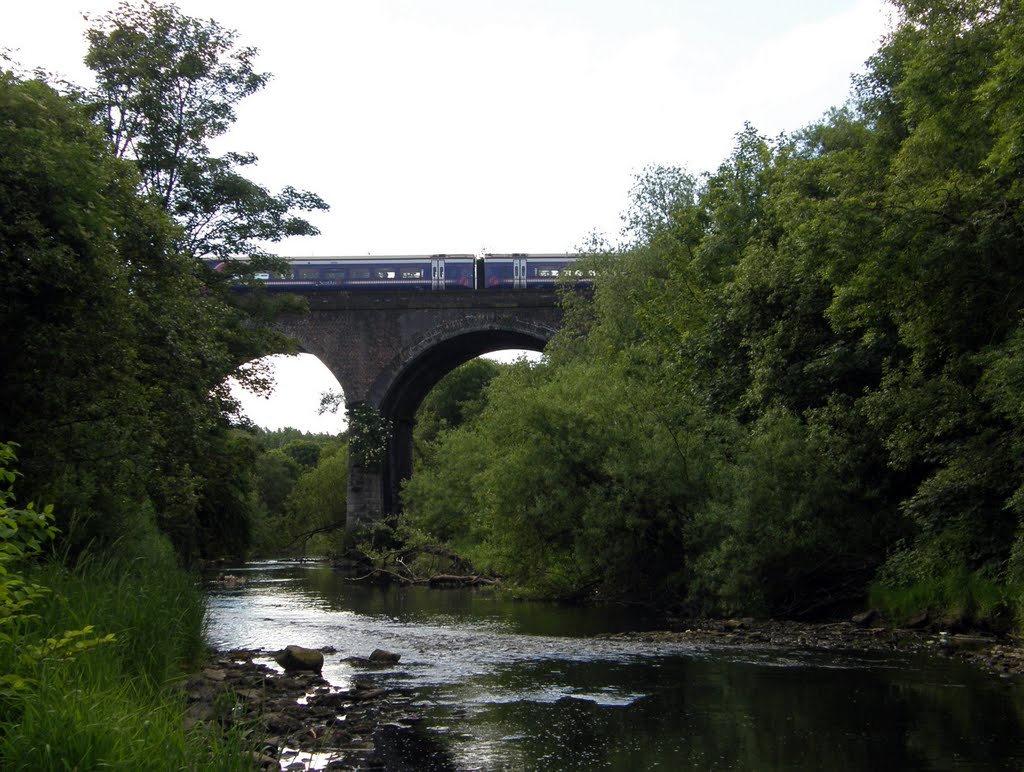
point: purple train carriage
(528, 271)
(425, 272)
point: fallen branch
(436, 580)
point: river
(526, 686)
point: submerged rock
(378, 658)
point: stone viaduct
(389, 348)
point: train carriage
(417, 272)
(526, 271)
(423, 272)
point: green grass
(955, 598)
(114, 706)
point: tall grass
(114, 706)
(154, 610)
(956, 598)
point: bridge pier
(364, 504)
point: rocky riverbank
(1001, 656)
(299, 721)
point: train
(427, 272)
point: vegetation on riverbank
(90, 651)
(115, 705)
(117, 339)
(116, 345)
(796, 387)
(798, 383)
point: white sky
(493, 125)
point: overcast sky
(494, 125)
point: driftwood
(305, 536)
(466, 577)
(436, 580)
(405, 575)
(458, 562)
(451, 580)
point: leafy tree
(167, 83)
(820, 347)
(305, 453)
(317, 504)
(278, 438)
(71, 394)
(276, 474)
(116, 355)
(456, 399)
(571, 481)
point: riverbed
(507, 685)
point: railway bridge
(389, 348)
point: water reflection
(514, 686)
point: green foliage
(441, 496)
(305, 453)
(811, 358)
(167, 83)
(304, 510)
(569, 482)
(226, 501)
(74, 699)
(130, 427)
(70, 215)
(787, 532)
(276, 474)
(913, 585)
(115, 706)
(23, 534)
(458, 397)
(273, 439)
(318, 501)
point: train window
(261, 276)
(385, 274)
(412, 273)
(334, 274)
(359, 273)
(307, 273)
(547, 272)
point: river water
(524, 686)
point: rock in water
(381, 657)
(300, 658)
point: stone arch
(411, 375)
(388, 349)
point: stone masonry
(388, 349)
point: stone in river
(382, 657)
(300, 658)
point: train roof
(374, 258)
(530, 255)
(362, 259)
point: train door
(519, 272)
(437, 273)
